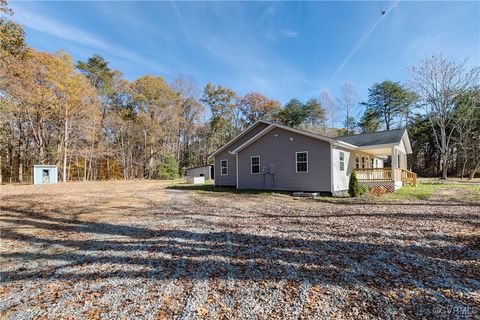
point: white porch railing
(385, 174)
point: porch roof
(374, 138)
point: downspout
(236, 167)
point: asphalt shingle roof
(375, 138)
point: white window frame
(251, 165)
(363, 166)
(357, 162)
(340, 161)
(296, 162)
(221, 167)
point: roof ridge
(359, 134)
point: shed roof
(374, 138)
(196, 167)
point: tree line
(94, 124)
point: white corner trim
(332, 176)
(236, 176)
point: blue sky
(281, 49)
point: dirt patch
(136, 250)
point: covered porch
(393, 177)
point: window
(342, 161)
(357, 162)
(376, 163)
(302, 161)
(224, 167)
(363, 162)
(371, 162)
(255, 164)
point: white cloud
(63, 31)
(289, 34)
(362, 40)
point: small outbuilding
(45, 174)
(205, 171)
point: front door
(45, 176)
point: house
(272, 156)
(205, 171)
(44, 174)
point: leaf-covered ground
(136, 250)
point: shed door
(45, 176)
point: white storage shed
(45, 174)
(205, 171)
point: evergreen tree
(353, 186)
(370, 121)
(292, 114)
(168, 170)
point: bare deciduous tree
(438, 81)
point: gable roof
(241, 134)
(302, 132)
(375, 138)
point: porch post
(394, 164)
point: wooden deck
(385, 174)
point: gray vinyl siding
(280, 151)
(231, 178)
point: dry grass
(137, 250)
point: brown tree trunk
(443, 152)
(1, 176)
(474, 171)
(20, 162)
(65, 146)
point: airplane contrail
(364, 38)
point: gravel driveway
(136, 250)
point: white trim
(251, 166)
(408, 146)
(332, 173)
(305, 133)
(241, 134)
(378, 146)
(221, 167)
(236, 169)
(296, 162)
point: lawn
(137, 249)
(438, 192)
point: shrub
(169, 168)
(364, 189)
(354, 189)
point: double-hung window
(342, 160)
(224, 167)
(363, 162)
(255, 164)
(302, 161)
(357, 162)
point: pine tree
(168, 170)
